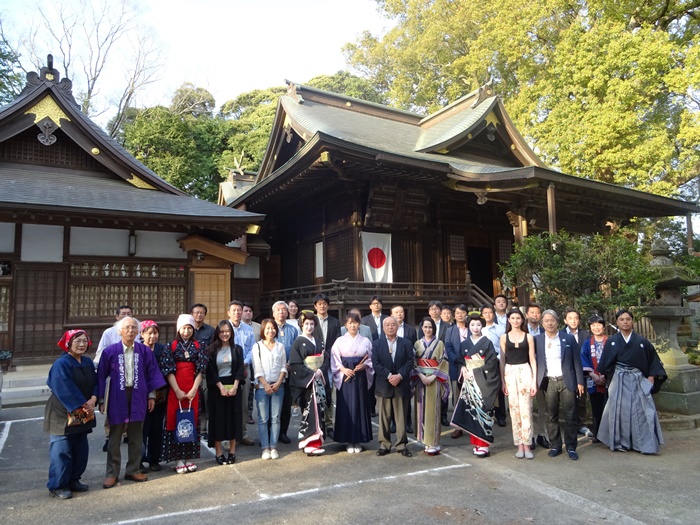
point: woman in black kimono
(308, 369)
(634, 371)
(480, 381)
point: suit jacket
(410, 333)
(368, 320)
(453, 343)
(582, 336)
(383, 366)
(333, 331)
(570, 361)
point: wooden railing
(347, 294)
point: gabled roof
(49, 104)
(320, 139)
(110, 184)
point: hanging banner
(376, 257)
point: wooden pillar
(519, 223)
(551, 209)
(689, 233)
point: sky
(230, 47)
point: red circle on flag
(376, 257)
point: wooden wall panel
(213, 289)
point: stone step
(25, 396)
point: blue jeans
(269, 407)
(68, 459)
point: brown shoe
(456, 434)
(136, 477)
(247, 441)
(109, 482)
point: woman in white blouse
(269, 370)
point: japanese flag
(376, 257)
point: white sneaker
(266, 454)
(350, 448)
(358, 449)
(274, 454)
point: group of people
(163, 399)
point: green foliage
(348, 84)
(604, 89)
(589, 273)
(10, 79)
(185, 151)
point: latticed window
(505, 250)
(153, 289)
(4, 307)
(457, 251)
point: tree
(604, 89)
(348, 84)
(86, 37)
(10, 79)
(589, 273)
(193, 101)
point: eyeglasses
(81, 341)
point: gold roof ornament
(47, 107)
(140, 183)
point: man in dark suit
(327, 330)
(572, 320)
(434, 310)
(405, 330)
(392, 359)
(560, 375)
(376, 318)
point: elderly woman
(591, 354)
(153, 424)
(431, 380)
(480, 383)
(70, 414)
(351, 365)
(225, 376)
(308, 368)
(184, 365)
(634, 372)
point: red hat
(68, 337)
(147, 324)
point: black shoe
(554, 452)
(61, 493)
(409, 429)
(205, 436)
(444, 422)
(76, 486)
(392, 428)
(501, 422)
(373, 413)
(142, 468)
(543, 442)
(284, 439)
(330, 433)
(125, 440)
(572, 454)
(231, 459)
(155, 467)
(221, 460)
(405, 453)
(383, 452)
(106, 445)
(533, 445)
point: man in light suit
(560, 375)
(375, 320)
(392, 359)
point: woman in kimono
(351, 365)
(184, 365)
(224, 379)
(153, 424)
(634, 372)
(480, 383)
(70, 414)
(308, 368)
(431, 380)
(591, 354)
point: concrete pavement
(455, 487)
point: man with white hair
(286, 334)
(560, 375)
(127, 377)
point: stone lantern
(681, 393)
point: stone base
(681, 392)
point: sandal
(231, 459)
(191, 467)
(181, 469)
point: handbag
(185, 429)
(79, 416)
